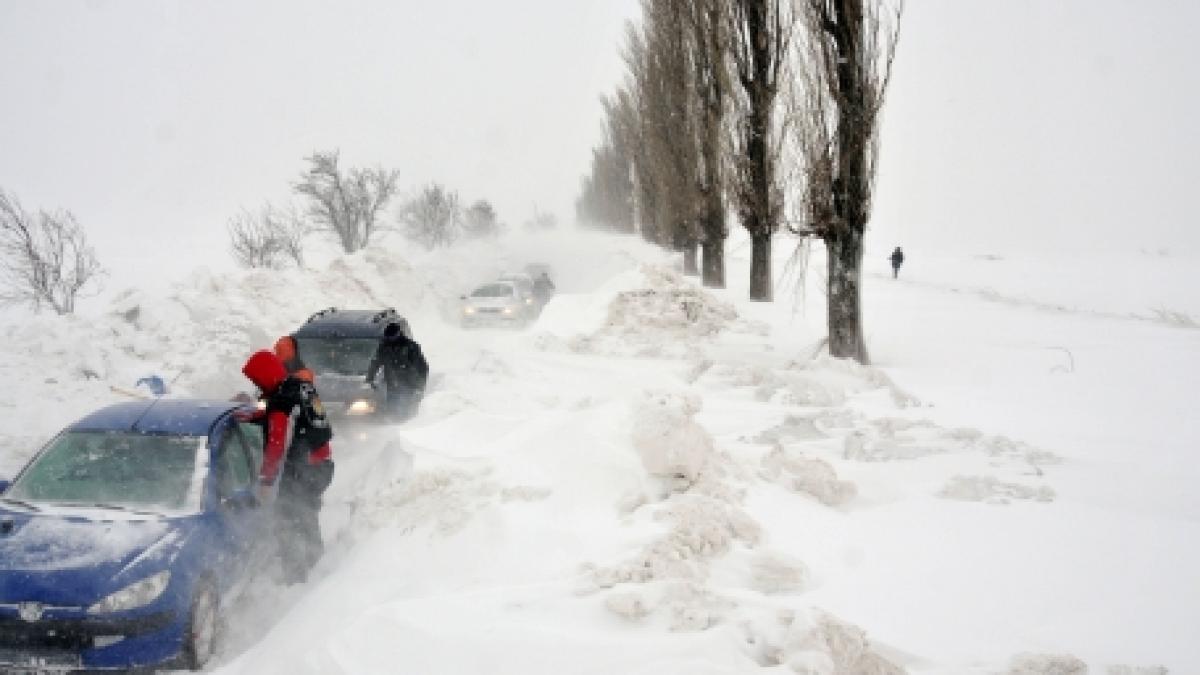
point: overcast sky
(1020, 122)
(1058, 125)
(155, 120)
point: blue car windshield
(125, 469)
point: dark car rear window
(343, 356)
(493, 291)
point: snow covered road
(657, 479)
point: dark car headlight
(360, 407)
(137, 594)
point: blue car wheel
(201, 638)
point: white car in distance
(497, 302)
(523, 282)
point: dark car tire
(200, 640)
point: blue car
(123, 538)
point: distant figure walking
(897, 261)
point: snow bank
(1047, 664)
(658, 478)
(664, 316)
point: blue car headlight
(137, 594)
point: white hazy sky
(155, 120)
(1020, 123)
(1060, 126)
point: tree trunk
(713, 246)
(760, 268)
(846, 338)
(851, 187)
(714, 263)
(691, 265)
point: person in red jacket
(287, 351)
(297, 456)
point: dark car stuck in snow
(339, 346)
(125, 536)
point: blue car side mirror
(3, 485)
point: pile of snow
(680, 578)
(810, 475)
(664, 316)
(665, 433)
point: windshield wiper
(20, 502)
(112, 507)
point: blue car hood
(78, 557)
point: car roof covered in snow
(351, 323)
(185, 417)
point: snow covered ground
(654, 478)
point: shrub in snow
(1046, 664)
(991, 490)
(808, 475)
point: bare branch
(434, 218)
(45, 258)
(267, 239)
(346, 204)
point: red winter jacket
(267, 372)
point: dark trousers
(403, 398)
(297, 516)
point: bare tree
(658, 57)
(708, 53)
(845, 64)
(252, 243)
(290, 229)
(45, 258)
(346, 203)
(606, 197)
(541, 221)
(762, 31)
(480, 220)
(433, 218)
(268, 239)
